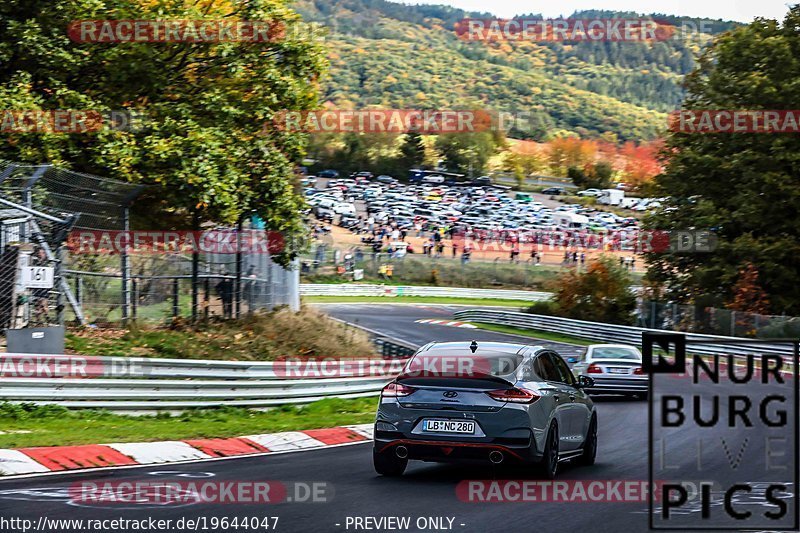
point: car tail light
(639, 371)
(594, 369)
(396, 390)
(515, 395)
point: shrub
(548, 308)
(599, 294)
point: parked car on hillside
(328, 174)
(596, 193)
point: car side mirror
(572, 360)
(584, 382)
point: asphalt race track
(426, 490)
(400, 321)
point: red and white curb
(450, 323)
(63, 458)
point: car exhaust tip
(401, 452)
(496, 457)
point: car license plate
(618, 370)
(448, 426)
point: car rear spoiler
(480, 381)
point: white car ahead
(615, 369)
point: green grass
(534, 333)
(416, 300)
(25, 425)
(258, 337)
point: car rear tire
(388, 464)
(549, 464)
(589, 454)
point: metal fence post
(237, 285)
(207, 297)
(195, 270)
(125, 266)
(293, 286)
(135, 298)
(175, 292)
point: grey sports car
(488, 402)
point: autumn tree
(523, 165)
(201, 144)
(601, 293)
(741, 186)
(748, 294)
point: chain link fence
(43, 207)
(161, 287)
(325, 262)
(715, 321)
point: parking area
(472, 221)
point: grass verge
(481, 302)
(259, 337)
(25, 425)
(534, 333)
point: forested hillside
(388, 54)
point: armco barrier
(181, 384)
(612, 333)
(153, 384)
(362, 289)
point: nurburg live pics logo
(725, 412)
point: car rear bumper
(437, 450)
(618, 385)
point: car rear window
(457, 364)
(616, 352)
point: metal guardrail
(391, 350)
(612, 333)
(363, 289)
(181, 384)
(154, 384)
